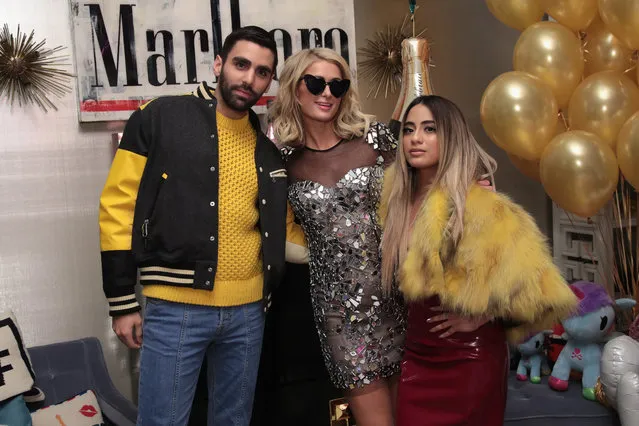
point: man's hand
(129, 329)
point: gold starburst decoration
(29, 72)
(383, 58)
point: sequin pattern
(361, 330)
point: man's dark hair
(253, 34)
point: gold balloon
(602, 103)
(529, 168)
(519, 113)
(574, 14)
(551, 52)
(622, 17)
(579, 172)
(628, 150)
(604, 51)
(517, 14)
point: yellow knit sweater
(239, 278)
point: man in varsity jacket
(196, 202)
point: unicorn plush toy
(532, 358)
(586, 333)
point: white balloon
(620, 377)
(628, 399)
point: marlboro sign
(127, 52)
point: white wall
(51, 174)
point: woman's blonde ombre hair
(285, 112)
(462, 162)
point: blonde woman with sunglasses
(335, 164)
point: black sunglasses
(316, 85)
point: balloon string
(621, 245)
(562, 114)
(412, 18)
(584, 49)
(412, 5)
(635, 56)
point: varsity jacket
(159, 206)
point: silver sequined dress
(334, 195)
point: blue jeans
(176, 338)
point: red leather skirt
(460, 380)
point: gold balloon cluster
(568, 115)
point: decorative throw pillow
(34, 394)
(81, 410)
(16, 374)
(14, 412)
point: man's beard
(236, 103)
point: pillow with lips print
(81, 410)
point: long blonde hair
(462, 162)
(350, 122)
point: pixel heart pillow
(81, 410)
(16, 374)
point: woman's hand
(486, 184)
(452, 323)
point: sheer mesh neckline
(339, 142)
(329, 166)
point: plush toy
(620, 378)
(586, 332)
(532, 358)
(16, 372)
(555, 343)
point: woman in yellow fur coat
(473, 266)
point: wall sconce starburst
(29, 72)
(382, 64)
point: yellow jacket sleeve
(117, 205)
(296, 248)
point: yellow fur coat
(502, 266)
